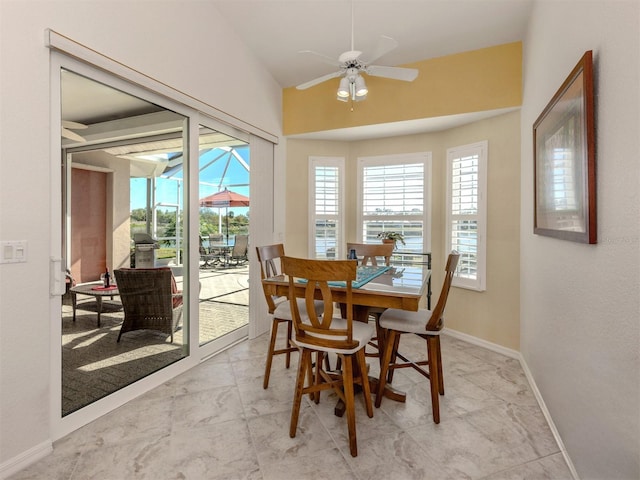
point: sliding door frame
(70, 55)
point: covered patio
(96, 365)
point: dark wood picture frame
(565, 160)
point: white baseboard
(532, 383)
(494, 347)
(25, 459)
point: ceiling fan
(351, 65)
(68, 126)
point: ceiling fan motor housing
(349, 57)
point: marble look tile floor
(217, 422)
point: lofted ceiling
(277, 30)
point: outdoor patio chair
(216, 243)
(238, 253)
(206, 257)
(150, 299)
(218, 249)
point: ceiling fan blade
(324, 58)
(384, 46)
(318, 80)
(73, 125)
(396, 73)
(66, 133)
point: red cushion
(177, 300)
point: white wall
(580, 304)
(184, 44)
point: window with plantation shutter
(394, 195)
(466, 212)
(326, 207)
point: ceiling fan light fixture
(361, 88)
(343, 89)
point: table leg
(73, 303)
(360, 312)
(99, 307)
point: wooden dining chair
(370, 252)
(426, 324)
(324, 334)
(278, 307)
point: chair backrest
(317, 328)
(240, 246)
(369, 252)
(216, 239)
(267, 256)
(145, 290)
(148, 299)
(436, 322)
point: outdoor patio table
(96, 290)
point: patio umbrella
(224, 199)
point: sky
(212, 168)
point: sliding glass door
(224, 203)
(124, 195)
(134, 164)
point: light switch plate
(13, 251)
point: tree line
(209, 222)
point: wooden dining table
(402, 286)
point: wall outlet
(13, 251)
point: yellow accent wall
(474, 81)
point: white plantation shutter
(326, 184)
(466, 212)
(394, 196)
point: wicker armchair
(150, 299)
